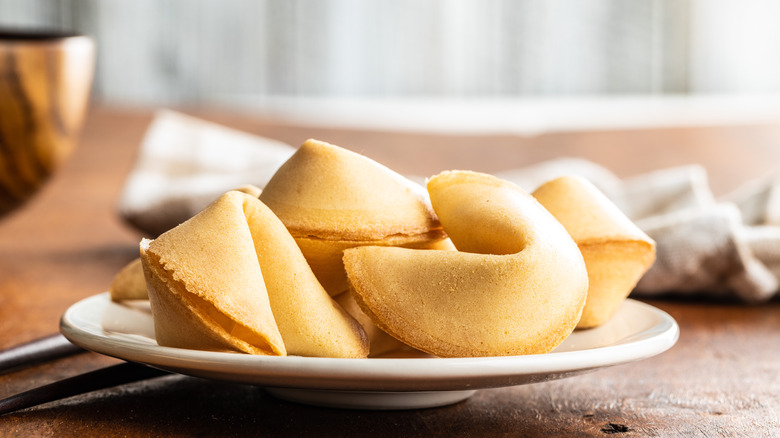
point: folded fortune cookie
(232, 277)
(332, 199)
(616, 252)
(516, 285)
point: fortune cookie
(232, 277)
(616, 252)
(381, 344)
(516, 285)
(331, 199)
(129, 283)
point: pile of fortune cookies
(339, 256)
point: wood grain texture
(722, 379)
(44, 90)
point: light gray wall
(191, 51)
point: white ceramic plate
(637, 331)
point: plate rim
(375, 374)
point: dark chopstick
(35, 352)
(99, 379)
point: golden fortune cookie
(616, 252)
(129, 283)
(332, 199)
(516, 285)
(232, 277)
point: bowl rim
(21, 35)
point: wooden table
(721, 379)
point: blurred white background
(167, 51)
(247, 52)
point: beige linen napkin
(185, 163)
(706, 246)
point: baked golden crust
(331, 199)
(381, 344)
(203, 277)
(325, 256)
(233, 277)
(310, 321)
(331, 193)
(185, 320)
(517, 285)
(616, 252)
(129, 283)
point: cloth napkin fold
(184, 163)
(727, 247)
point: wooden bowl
(45, 81)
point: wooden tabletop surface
(722, 378)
